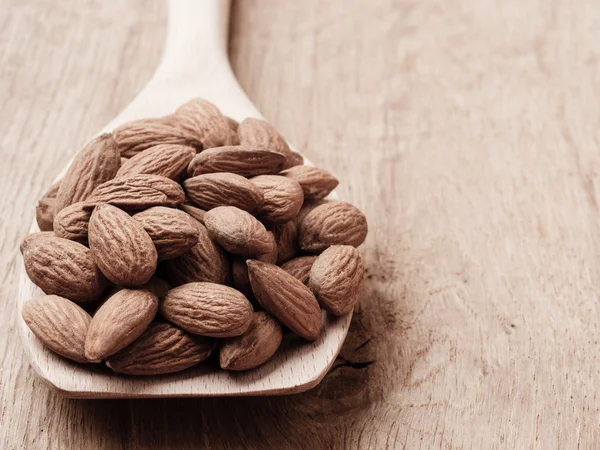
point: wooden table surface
(468, 132)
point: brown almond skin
(194, 212)
(300, 267)
(283, 198)
(139, 135)
(166, 160)
(239, 159)
(204, 121)
(139, 192)
(156, 286)
(259, 133)
(316, 183)
(286, 239)
(286, 298)
(224, 189)
(239, 270)
(336, 278)
(72, 222)
(307, 207)
(237, 231)
(121, 247)
(295, 159)
(118, 322)
(205, 261)
(233, 127)
(333, 223)
(173, 231)
(207, 309)
(95, 164)
(253, 348)
(60, 324)
(62, 267)
(44, 211)
(161, 349)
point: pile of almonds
(176, 237)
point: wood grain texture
(466, 131)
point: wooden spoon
(194, 64)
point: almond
(307, 207)
(205, 261)
(224, 189)
(295, 159)
(195, 213)
(286, 239)
(333, 223)
(121, 247)
(203, 120)
(300, 267)
(139, 192)
(139, 135)
(166, 160)
(44, 211)
(173, 231)
(233, 127)
(207, 309)
(118, 322)
(336, 278)
(95, 164)
(286, 298)
(239, 159)
(59, 323)
(253, 348)
(62, 267)
(283, 198)
(156, 286)
(162, 348)
(258, 133)
(316, 183)
(72, 222)
(239, 270)
(237, 231)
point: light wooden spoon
(194, 64)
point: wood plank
(467, 132)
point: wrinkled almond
(207, 309)
(62, 267)
(283, 198)
(173, 231)
(316, 183)
(333, 223)
(336, 278)
(59, 323)
(205, 261)
(161, 349)
(118, 322)
(239, 159)
(300, 267)
(286, 239)
(258, 133)
(72, 222)
(95, 164)
(166, 160)
(233, 127)
(139, 135)
(194, 212)
(139, 192)
(253, 348)
(121, 247)
(224, 189)
(286, 298)
(203, 120)
(237, 231)
(44, 211)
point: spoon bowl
(194, 64)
